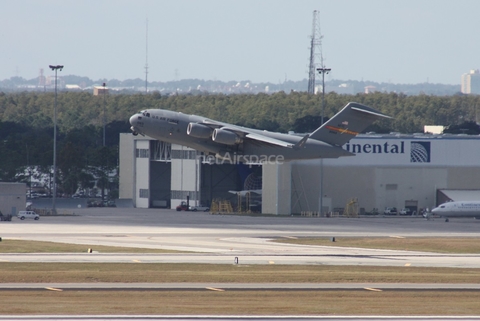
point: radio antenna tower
(315, 51)
(146, 58)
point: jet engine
(224, 136)
(198, 130)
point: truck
(185, 207)
(7, 217)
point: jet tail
(346, 124)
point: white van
(28, 214)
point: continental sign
(419, 150)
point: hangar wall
(126, 161)
(142, 173)
(185, 175)
(13, 197)
(277, 189)
(155, 174)
(386, 171)
(464, 177)
(390, 171)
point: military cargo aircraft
(246, 145)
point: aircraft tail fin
(347, 123)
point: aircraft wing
(247, 133)
(269, 140)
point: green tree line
(26, 122)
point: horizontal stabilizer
(347, 123)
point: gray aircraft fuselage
(171, 127)
(226, 140)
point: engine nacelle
(224, 136)
(198, 130)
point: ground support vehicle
(390, 211)
(28, 214)
(184, 207)
(7, 217)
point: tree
(307, 124)
(468, 127)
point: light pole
(104, 149)
(322, 71)
(104, 117)
(55, 68)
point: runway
(227, 239)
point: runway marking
(137, 261)
(215, 289)
(291, 237)
(408, 264)
(397, 237)
(271, 262)
(54, 289)
(372, 289)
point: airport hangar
(391, 170)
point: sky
(396, 41)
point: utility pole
(104, 114)
(322, 71)
(146, 58)
(54, 209)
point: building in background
(471, 82)
(394, 170)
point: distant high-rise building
(471, 82)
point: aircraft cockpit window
(147, 114)
(442, 206)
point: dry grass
(21, 246)
(241, 302)
(439, 245)
(215, 273)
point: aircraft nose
(133, 120)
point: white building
(471, 82)
(388, 171)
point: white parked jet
(458, 209)
(246, 145)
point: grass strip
(22, 246)
(466, 245)
(222, 273)
(401, 303)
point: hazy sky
(399, 41)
